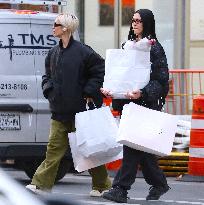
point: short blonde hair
(69, 21)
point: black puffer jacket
(155, 92)
(71, 74)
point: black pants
(126, 175)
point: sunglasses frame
(137, 21)
(57, 24)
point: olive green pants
(45, 175)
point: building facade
(179, 26)
(104, 24)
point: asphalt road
(77, 187)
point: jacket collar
(70, 42)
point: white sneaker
(97, 193)
(37, 190)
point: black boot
(116, 194)
(157, 191)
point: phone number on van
(8, 86)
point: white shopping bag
(129, 69)
(96, 132)
(147, 130)
(82, 163)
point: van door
(41, 26)
(18, 87)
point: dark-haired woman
(151, 96)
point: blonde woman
(74, 73)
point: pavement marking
(173, 201)
(149, 202)
(65, 193)
(186, 183)
(103, 202)
(78, 177)
(136, 199)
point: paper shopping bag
(147, 130)
(127, 70)
(96, 132)
(82, 163)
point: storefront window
(106, 12)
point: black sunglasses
(137, 21)
(57, 24)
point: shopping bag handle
(90, 105)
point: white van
(25, 39)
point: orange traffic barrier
(196, 148)
(114, 166)
(108, 102)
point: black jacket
(155, 92)
(71, 74)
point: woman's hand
(134, 94)
(107, 93)
(89, 100)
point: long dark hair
(148, 21)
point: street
(77, 187)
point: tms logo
(27, 42)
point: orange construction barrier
(108, 102)
(196, 148)
(112, 166)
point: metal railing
(185, 84)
